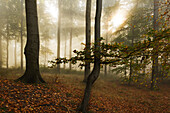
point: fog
(72, 18)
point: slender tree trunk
(45, 54)
(0, 52)
(21, 35)
(105, 70)
(59, 24)
(131, 64)
(155, 53)
(71, 32)
(65, 50)
(125, 71)
(70, 47)
(15, 53)
(107, 30)
(88, 39)
(32, 73)
(96, 70)
(7, 40)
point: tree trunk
(96, 70)
(125, 71)
(65, 50)
(105, 70)
(155, 53)
(130, 73)
(15, 53)
(88, 39)
(59, 24)
(107, 30)
(7, 51)
(32, 73)
(45, 54)
(21, 35)
(70, 46)
(71, 31)
(131, 64)
(0, 52)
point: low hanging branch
(119, 52)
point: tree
(0, 51)
(88, 39)
(58, 33)
(32, 73)
(155, 53)
(71, 31)
(96, 70)
(21, 31)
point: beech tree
(21, 32)
(155, 53)
(32, 73)
(58, 34)
(88, 39)
(96, 70)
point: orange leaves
(63, 98)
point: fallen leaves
(61, 98)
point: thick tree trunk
(96, 70)
(155, 53)
(21, 35)
(88, 39)
(0, 52)
(59, 24)
(32, 73)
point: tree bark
(71, 32)
(70, 46)
(0, 52)
(65, 50)
(131, 59)
(96, 70)
(58, 33)
(7, 41)
(21, 32)
(15, 53)
(155, 53)
(105, 70)
(32, 73)
(88, 39)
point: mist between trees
(128, 39)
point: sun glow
(52, 10)
(121, 15)
(117, 20)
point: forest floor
(63, 93)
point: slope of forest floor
(63, 93)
